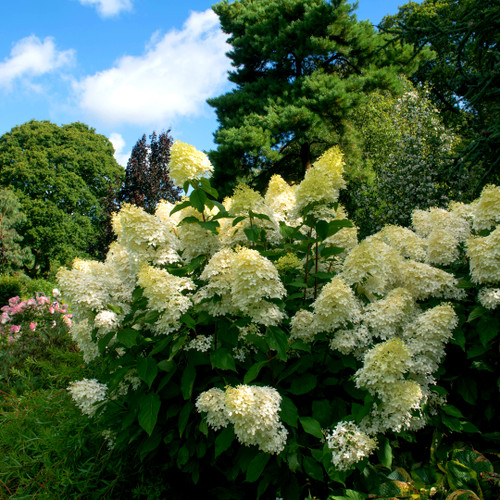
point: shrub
(35, 345)
(256, 340)
(10, 286)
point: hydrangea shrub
(256, 339)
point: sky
(123, 67)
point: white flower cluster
(200, 343)
(252, 410)
(165, 295)
(187, 163)
(87, 393)
(244, 281)
(349, 445)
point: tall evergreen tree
(301, 68)
(147, 179)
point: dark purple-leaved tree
(147, 179)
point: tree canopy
(60, 175)
(12, 255)
(464, 73)
(301, 68)
(147, 179)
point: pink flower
(13, 301)
(43, 300)
(15, 328)
(67, 321)
(4, 318)
(51, 309)
(31, 302)
(11, 339)
(32, 326)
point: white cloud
(108, 8)
(119, 143)
(33, 57)
(174, 77)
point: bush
(36, 349)
(10, 286)
(255, 348)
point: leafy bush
(35, 345)
(255, 348)
(10, 286)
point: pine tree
(147, 179)
(301, 68)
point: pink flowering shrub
(28, 329)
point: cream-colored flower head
(384, 364)
(484, 255)
(349, 445)
(427, 336)
(335, 307)
(387, 317)
(426, 221)
(322, 182)
(164, 292)
(405, 241)
(253, 411)
(487, 209)
(280, 197)
(243, 282)
(373, 266)
(424, 281)
(187, 163)
(146, 237)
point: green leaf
(238, 219)
(180, 206)
(277, 340)
(451, 422)
(166, 365)
(259, 216)
(187, 381)
(104, 341)
(147, 369)
(257, 466)
(252, 233)
(488, 328)
(303, 384)
(189, 220)
(467, 388)
(127, 337)
(452, 411)
(222, 359)
(330, 250)
(151, 317)
(253, 371)
(184, 417)
(207, 187)
(115, 309)
(148, 413)
(211, 225)
(188, 320)
(223, 440)
(312, 468)
(477, 312)
(322, 229)
(311, 426)
(288, 412)
(384, 452)
(197, 199)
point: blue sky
(123, 67)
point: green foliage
(36, 350)
(301, 69)
(12, 256)
(10, 286)
(60, 175)
(409, 156)
(463, 74)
